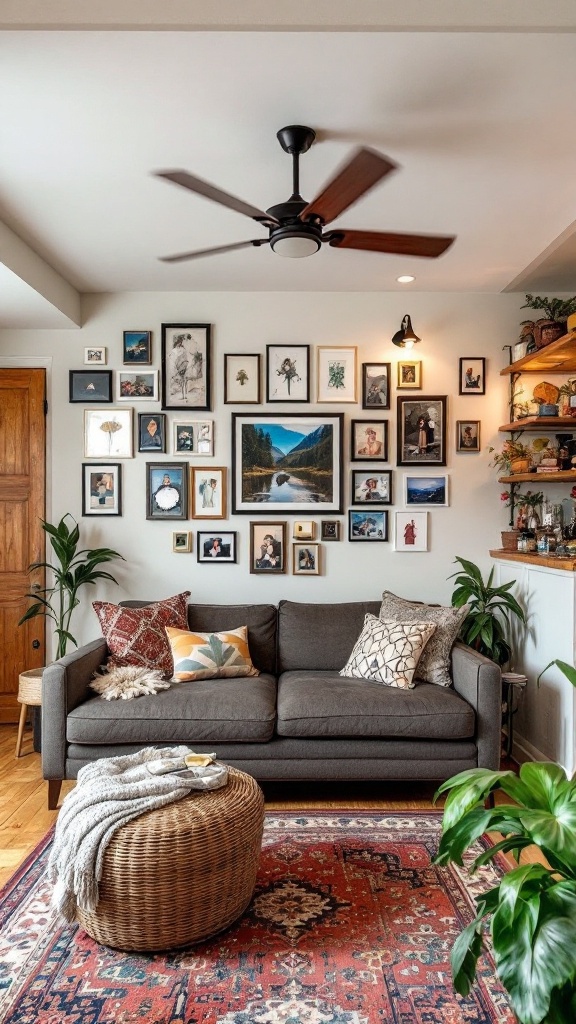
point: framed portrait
(268, 548)
(193, 437)
(95, 355)
(426, 490)
(289, 462)
(287, 373)
(468, 435)
(108, 434)
(217, 548)
(472, 371)
(370, 526)
(101, 489)
(151, 432)
(421, 426)
(409, 374)
(186, 366)
(242, 379)
(371, 488)
(369, 440)
(411, 531)
(375, 385)
(336, 376)
(304, 529)
(166, 490)
(90, 386)
(137, 347)
(208, 490)
(182, 541)
(137, 387)
(330, 529)
(306, 559)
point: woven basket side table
(29, 696)
(179, 874)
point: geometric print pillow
(210, 655)
(434, 666)
(137, 636)
(388, 652)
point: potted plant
(490, 608)
(71, 569)
(554, 324)
(515, 457)
(531, 912)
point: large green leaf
(464, 957)
(456, 840)
(467, 789)
(568, 670)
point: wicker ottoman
(179, 874)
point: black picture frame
(367, 526)
(101, 489)
(90, 386)
(472, 375)
(375, 386)
(165, 506)
(329, 529)
(137, 348)
(268, 548)
(288, 373)
(224, 544)
(371, 487)
(186, 362)
(421, 430)
(152, 441)
(468, 436)
(369, 440)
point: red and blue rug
(350, 924)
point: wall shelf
(562, 475)
(568, 564)
(535, 423)
(558, 357)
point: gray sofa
(298, 720)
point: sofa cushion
(328, 704)
(434, 665)
(210, 655)
(388, 652)
(319, 636)
(136, 635)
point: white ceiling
(480, 122)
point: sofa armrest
(479, 681)
(64, 687)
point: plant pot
(510, 540)
(520, 466)
(547, 331)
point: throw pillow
(434, 665)
(388, 652)
(210, 655)
(127, 682)
(137, 636)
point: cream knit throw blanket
(109, 793)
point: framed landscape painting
(287, 373)
(426, 490)
(186, 366)
(289, 462)
(421, 426)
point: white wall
(451, 325)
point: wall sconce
(406, 337)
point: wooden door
(22, 489)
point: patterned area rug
(350, 924)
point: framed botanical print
(472, 371)
(108, 434)
(468, 436)
(216, 547)
(409, 374)
(137, 347)
(208, 489)
(166, 490)
(369, 440)
(137, 387)
(375, 385)
(336, 374)
(242, 379)
(287, 462)
(426, 490)
(421, 427)
(186, 366)
(95, 355)
(90, 386)
(151, 432)
(411, 531)
(193, 437)
(369, 525)
(287, 373)
(101, 489)
(268, 548)
(306, 559)
(182, 541)
(371, 488)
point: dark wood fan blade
(180, 257)
(364, 170)
(384, 241)
(217, 195)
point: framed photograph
(268, 547)
(193, 437)
(137, 347)
(137, 387)
(95, 355)
(367, 525)
(375, 385)
(336, 378)
(151, 432)
(289, 462)
(409, 374)
(411, 531)
(186, 366)
(242, 379)
(287, 373)
(369, 440)
(166, 490)
(472, 375)
(101, 489)
(182, 541)
(371, 488)
(426, 490)
(468, 435)
(304, 530)
(216, 547)
(90, 386)
(306, 559)
(108, 434)
(421, 426)
(208, 489)
(330, 529)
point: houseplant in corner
(486, 625)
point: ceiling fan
(296, 228)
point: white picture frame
(410, 531)
(208, 492)
(137, 385)
(336, 378)
(108, 434)
(95, 355)
(193, 437)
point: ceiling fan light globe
(296, 245)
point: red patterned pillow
(137, 636)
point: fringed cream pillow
(388, 652)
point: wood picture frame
(186, 360)
(306, 559)
(268, 548)
(421, 430)
(95, 355)
(182, 541)
(208, 492)
(287, 373)
(330, 529)
(101, 489)
(468, 436)
(376, 386)
(242, 379)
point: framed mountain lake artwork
(186, 366)
(242, 379)
(421, 426)
(287, 373)
(90, 386)
(290, 462)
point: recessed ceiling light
(405, 279)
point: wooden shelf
(558, 357)
(541, 423)
(562, 475)
(567, 564)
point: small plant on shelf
(514, 452)
(555, 309)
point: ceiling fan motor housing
(293, 237)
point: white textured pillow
(434, 666)
(127, 681)
(388, 652)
